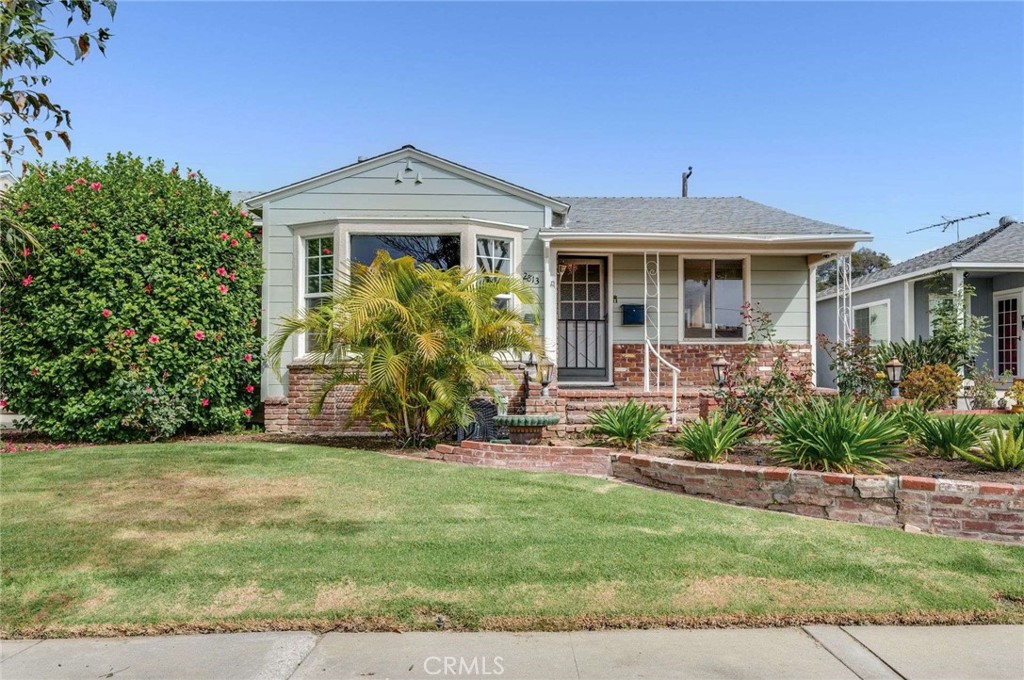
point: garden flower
(130, 332)
(80, 180)
(223, 289)
(3, 403)
(27, 281)
(199, 335)
(26, 252)
(243, 213)
(205, 402)
(174, 171)
(95, 186)
(153, 339)
(248, 357)
(234, 242)
(141, 238)
(55, 226)
(191, 175)
(224, 236)
(217, 358)
(248, 235)
(232, 276)
(327, 251)
(247, 412)
(250, 389)
(69, 188)
(35, 371)
(148, 288)
(222, 271)
(106, 313)
(78, 251)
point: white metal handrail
(675, 377)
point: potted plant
(1016, 392)
(524, 429)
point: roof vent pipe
(686, 181)
(1003, 221)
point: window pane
(443, 252)
(728, 297)
(862, 322)
(494, 255)
(697, 298)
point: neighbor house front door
(582, 320)
(1009, 327)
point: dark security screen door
(582, 320)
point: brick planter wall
(694, 361)
(984, 510)
(574, 459)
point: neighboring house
(897, 303)
(618, 279)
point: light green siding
(628, 288)
(779, 284)
(373, 196)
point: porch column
(550, 324)
(958, 286)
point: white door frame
(997, 296)
(605, 261)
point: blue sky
(880, 116)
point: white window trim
(513, 301)
(300, 238)
(683, 340)
(888, 317)
(996, 296)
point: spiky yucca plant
(712, 439)
(420, 342)
(837, 434)
(947, 437)
(1002, 450)
(626, 424)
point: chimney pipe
(686, 181)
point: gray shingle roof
(240, 196)
(692, 215)
(1001, 245)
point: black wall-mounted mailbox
(632, 315)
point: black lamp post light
(894, 372)
(539, 371)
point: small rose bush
(138, 316)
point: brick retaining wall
(992, 511)
(694, 360)
(574, 459)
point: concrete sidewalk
(818, 652)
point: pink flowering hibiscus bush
(134, 318)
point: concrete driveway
(818, 652)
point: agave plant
(626, 424)
(1002, 450)
(837, 434)
(712, 439)
(420, 342)
(947, 437)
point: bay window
(318, 277)
(442, 251)
(713, 298)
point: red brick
(837, 479)
(999, 488)
(919, 483)
(948, 500)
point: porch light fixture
(544, 367)
(894, 372)
(718, 366)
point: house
(631, 290)
(897, 303)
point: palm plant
(837, 434)
(1002, 450)
(626, 424)
(710, 440)
(948, 437)
(419, 341)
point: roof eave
(552, 234)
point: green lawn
(255, 535)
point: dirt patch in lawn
(727, 592)
(918, 465)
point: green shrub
(934, 385)
(909, 415)
(1002, 450)
(837, 434)
(626, 424)
(137, 317)
(948, 437)
(711, 439)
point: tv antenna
(948, 222)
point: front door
(582, 320)
(1009, 326)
